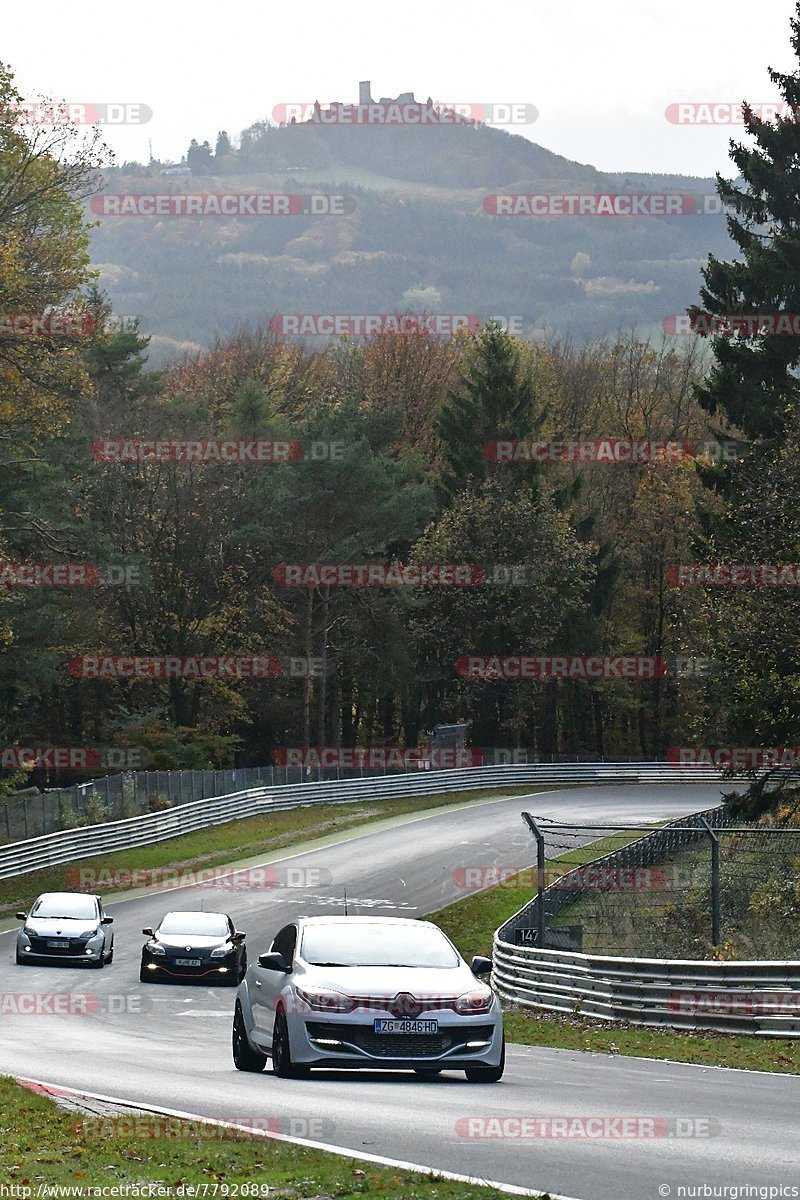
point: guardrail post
(715, 905)
(541, 932)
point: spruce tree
(494, 400)
(754, 381)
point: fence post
(541, 931)
(715, 907)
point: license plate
(58, 945)
(187, 962)
(385, 1026)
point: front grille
(397, 1045)
(39, 946)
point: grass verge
(707, 1047)
(40, 1143)
(471, 924)
(220, 845)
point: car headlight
(90, 937)
(326, 1000)
(221, 951)
(154, 948)
(473, 1002)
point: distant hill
(418, 238)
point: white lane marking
(206, 1012)
(305, 899)
(509, 1188)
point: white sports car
(377, 992)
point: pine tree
(494, 401)
(754, 380)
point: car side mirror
(274, 962)
(480, 965)
(238, 936)
(21, 916)
(107, 921)
(148, 931)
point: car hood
(389, 981)
(52, 927)
(179, 941)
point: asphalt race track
(170, 1045)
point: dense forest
(392, 460)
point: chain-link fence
(699, 887)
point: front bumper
(210, 968)
(471, 1042)
(37, 950)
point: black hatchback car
(194, 945)
(66, 927)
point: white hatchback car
(379, 992)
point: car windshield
(198, 923)
(345, 945)
(66, 907)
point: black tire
(21, 960)
(245, 1058)
(101, 962)
(110, 958)
(282, 1064)
(488, 1074)
(427, 1072)
(144, 977)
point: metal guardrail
(737, 997)
(733, 996)
(131, 793)
(68, 845)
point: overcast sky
(600, 76)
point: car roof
(193, 912)
(68, 895)
(341, 919)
